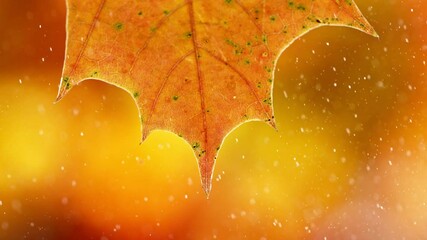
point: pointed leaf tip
(375, 34)
(206, 173)
(61, 94)
(273, 124)
(362, 23)
(368, 28)
(207, 185)
(63, 88)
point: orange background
(348, 161)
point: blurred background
(349, 160)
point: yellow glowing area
(348, 160)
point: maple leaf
(197, 68)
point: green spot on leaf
(188, 34)
(264, 39)
(118, 26)
(94, 74)
(301, 7)
(67, 83)
(267, 101)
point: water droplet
(64, 201)
(189, 181)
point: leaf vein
(206, 181)
(152, 35)
(241, 75)
(86, 41)
(159, 91)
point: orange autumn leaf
(197, 68)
